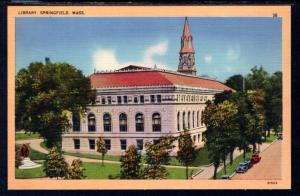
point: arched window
(189, 118)
(197, 118)
(76, 121)
(193, 119)
(178, 121)
(183, 120)
(201, 118)
(123, 122)
(106, 122)
(91, 122)
(156, 122)
(139, 122)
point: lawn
(271, 138)
(33, 154)
(97, 171)
(26, 135)
(30, 173)
(230, 169)
(201, 159)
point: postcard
(149, 97)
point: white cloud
(233, 53)
(208, 58)
(106, 59)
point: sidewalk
(208, 172)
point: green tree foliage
(76, 170)
(131, 164)
(46, 94)
(158, 155)
(186, 153)
(55, 164)
(101, 148)
(235, 82)
(220, 120)
(257, 79)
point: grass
(26, 135)
(230, 169)
(201, 159)
(33, 154)
(30, 173)
(97, 171)
(271, 138)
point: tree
(158, 155)
(76, 170)
(235, 82)
(101, 148)
(55, 165)
(257, 79)
(131, 164)
(220, 120)
(186, 153)
(46, 94)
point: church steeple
(186, 55)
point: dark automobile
(255, 158)
(249, 163)
(241, 168)
(225, 177)
(279, 136)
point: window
(158, 98)
(139, 122)
(139, 144)
(178, 121)
(193, 119)
(103, 100)
(201, 98)
(91, 122)
(76, 122)
(203, 137)
(201, 118)
(106, 122)
(107, 144)
(142, 98)
(205, 98)
(125, 99)
(76, 144)
(155, 142)
(92, 144)
(197, 118)
(189, 119)
(119, 99)
(123, 144)
(152, 98)
(135, 99)
(156, 122)
(194, 138)
(183, 120)
(109, 100)
(123, 122)
(198, 137)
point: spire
(186, 58)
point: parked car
(225, 177)
(255, 158)
(241, 168)
(279, 136)
(249, 163)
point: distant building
(138, 104)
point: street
(268, 168)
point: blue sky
(224, 46)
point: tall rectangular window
(158, 98)
(135, 99)
(92, 144)
(142, 98)
(125, 99)
(152, 98)
(119, 99)
(107, 144)
(103, 100)
(76, 144)
(123, 144)
(156, 142)
(139, 144)
(109, 99)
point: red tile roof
(152, 78)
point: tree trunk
(215, 171)
(224, 159)
(269, 132)
(231, 157)
(244, 155)
(187, 171)
(254, 148)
